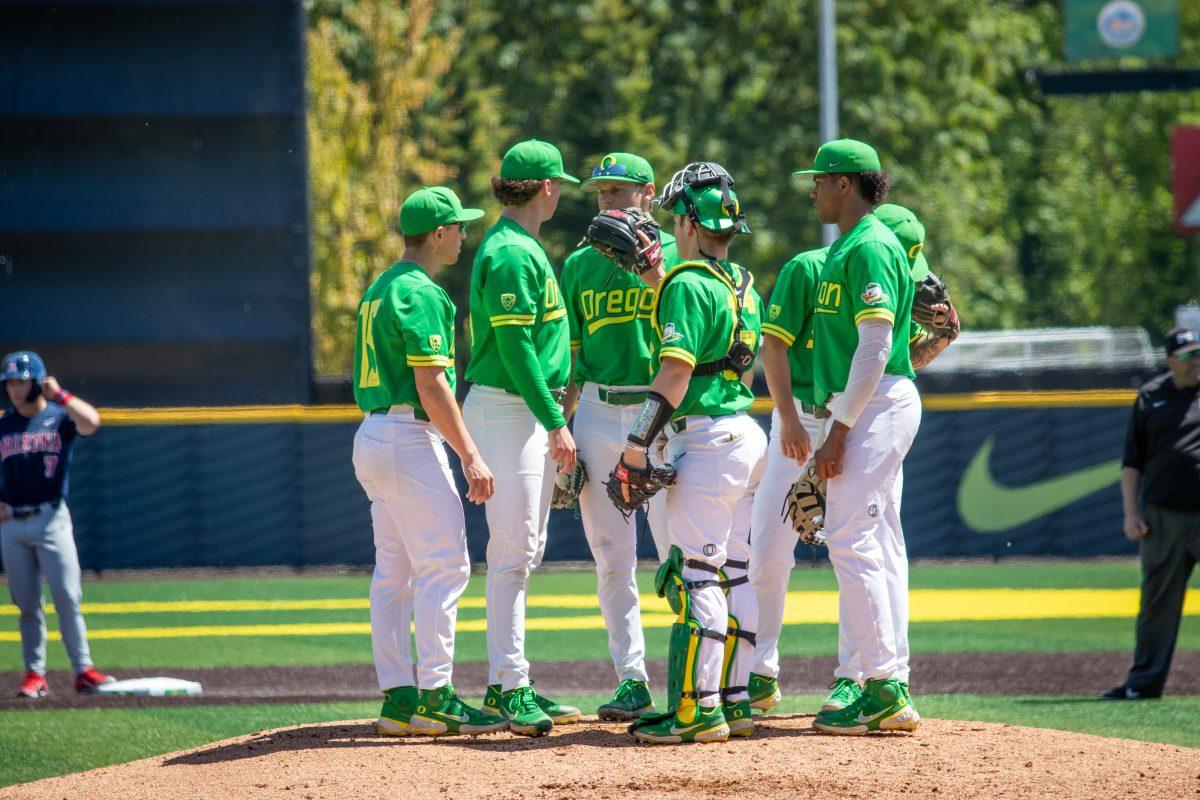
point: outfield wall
(991, 474)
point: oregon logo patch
(435, 342)
(669, 334)
(873, 295)
(507, 301)
(773, 311)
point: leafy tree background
(1039, 211)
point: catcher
(934, 325)
(699, 401)
(612, 347)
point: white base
(151, 687)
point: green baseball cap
(533, 160)
(622, 167)
(843, 155)
(910, 232)
(709, 207)
(432, 207)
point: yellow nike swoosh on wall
(989, 507)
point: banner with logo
(1116, 28)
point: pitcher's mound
(786, 759)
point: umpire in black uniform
(1162, 465)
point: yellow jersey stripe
(499, 323)
(558, 313)
(677, 352)
(779, 333)
(874, 313)
(600, 323)
(825, 310)
(428, 361)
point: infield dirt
(784, 760)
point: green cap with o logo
(532, 160)
(622, 167)
(711, 209)
(910, 232)
(843, 155)
(430, 208)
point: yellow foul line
(802, 608)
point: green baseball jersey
(512, 283)
(405, 320)
(790, 316)
(866, 276)
(694, 317)
(609, 314)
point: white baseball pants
(600, 430)
(421, 562)
(516, 448)
(715, 458)
(773, 543)
(865, 540)
(742, 599)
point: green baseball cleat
(519, 706)
(708, 726)
(845, 693)
(630, 702)
(560, 714)
(739, 718)
(764, 691)
(882, 707)
(491, 700)
(396, 714)
(439, 712)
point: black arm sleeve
(1135, 439)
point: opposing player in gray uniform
(36, 537)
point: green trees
(1039, 211)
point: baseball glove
(804, 507)
(615, 235)
(567, 486)
(643, 484)
(929, 293)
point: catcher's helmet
(697, 176)
(23, 364)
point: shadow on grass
(588, 733)
(1055, 701)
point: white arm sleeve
(866, 369)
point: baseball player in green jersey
(612, 346)
(699, 400)
(787, 357)
(864, 304)
(520, 365)
(404, 383)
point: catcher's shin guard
(687, 637)
(740, 638)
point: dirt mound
(785, 759)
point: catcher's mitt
(804, 507)
(615, 235)
(929, 293)
(567, 486)
(643, 484)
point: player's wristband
(63, 397)
(655, 414)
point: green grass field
(43, 743)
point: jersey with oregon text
(694, 318)
(512, 283)
(866, 276)
(405, 320)
(609, 313)
(790, 316)
(35, 453)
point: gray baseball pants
(43, 545)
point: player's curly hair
(872, 184)
(513, 192)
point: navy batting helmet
(23, 364)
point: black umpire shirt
(1163, 444)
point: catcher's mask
(699, 175)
